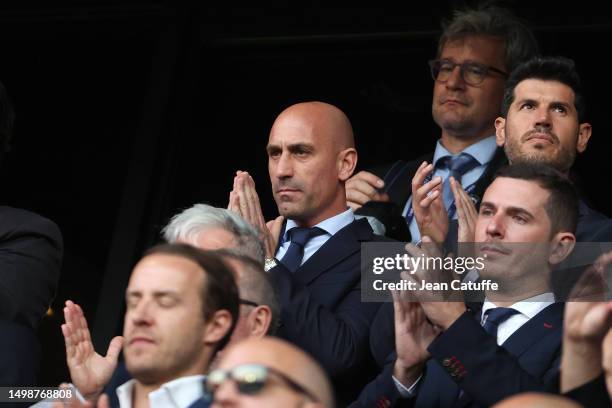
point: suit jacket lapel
(343, 244)
(547, 321)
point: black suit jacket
(322, 311)
(30, 259)
(469, 369)
(398, 180)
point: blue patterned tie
(298, 236)
(457, 166)
(495, 317)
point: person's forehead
(254, 352)
(516, 193)
(482, 49)
(544, 90)
(212, 238)
(293, 130)
(165, 272)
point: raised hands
(364, 187)
(587, 315)
(89, 370)
(588, 319)
(244, 201)
(427, 204)
(413, 334)
(442, 306)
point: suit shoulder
(16, 221)
(382, 170)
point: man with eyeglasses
(269, 373)
(476, 51)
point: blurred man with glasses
(476, 51)
(269, 373)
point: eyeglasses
(250, 379)
(472, 73)
(247, 302)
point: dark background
(128, 112)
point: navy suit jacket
(398, 184)
(322, 311)
(469, 369)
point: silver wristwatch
(270, 263)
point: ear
(500, 131)
(217, 327)
(562, 245)
(584, 134)
(347, 161)
(260, 319)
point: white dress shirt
(483, 151)
(331, 226)
(179, 393)
(526, 309)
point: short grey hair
(201, 217)
(496, 22)
(255, 285)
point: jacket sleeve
(484, 370)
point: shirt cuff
(406, 392)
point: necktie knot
(457, 166)
(298, 237)
(460, 164)
(301, 235)
(496, 316)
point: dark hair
(255, 285)
(495, 22)
(558, 69)
(7, 119)
(562, 204)
(219, 291)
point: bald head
(311, 153)
(280, 356)
(537, 400)
(322, 119)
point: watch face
(269, 264)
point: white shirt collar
(483, 150)
(527, 307)
(179, 393)
(331, 225)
